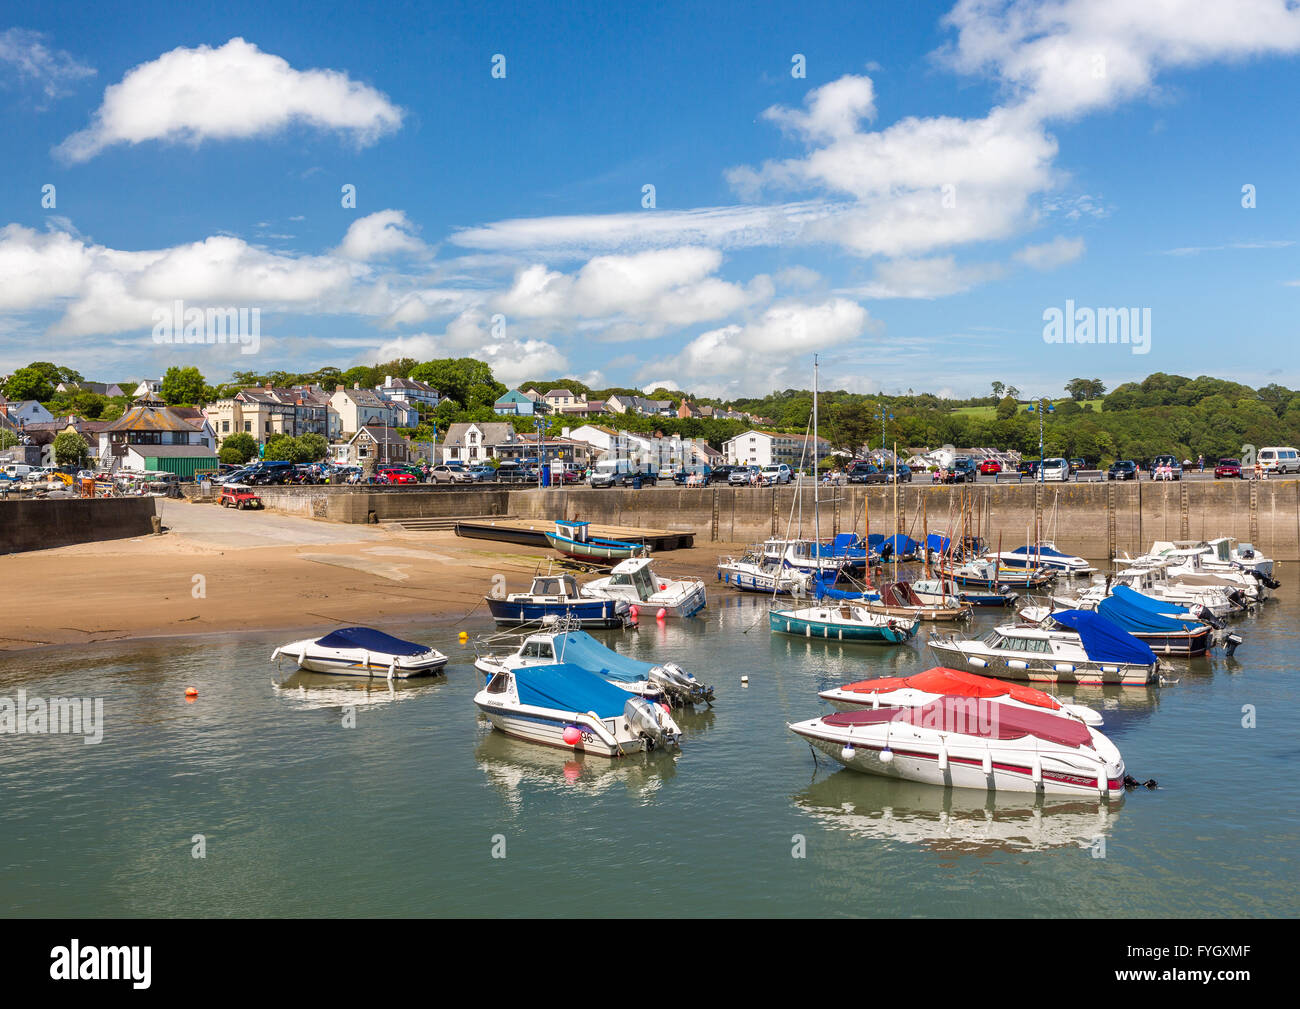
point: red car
(240, 498)
(990, 467)
(1228, 468)
(392, 476)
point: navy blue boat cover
(1030, 549)
(567, 687)
(1135, 612)
(371, 640)
(1102, 640)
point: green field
(991, 412)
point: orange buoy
(191, 691)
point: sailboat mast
(817, 513)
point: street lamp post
(882, 416)
(1037, 402)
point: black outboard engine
(1206, 617)
(1230, 643)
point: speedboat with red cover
(931, 685)
(966, 742)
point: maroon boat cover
(977, 717)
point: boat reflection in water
(518, 770)
(314, 691)
(955, 819)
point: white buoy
(886, 756)
(848, 753)
(744, 680)
(943, 757)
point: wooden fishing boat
(899, 599)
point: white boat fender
(1103, 781)
(875, 701)
(392, 669)
(1036, 770)
(886, 754)
(987, 765)
(848, 753)
(943, 757)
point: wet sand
(216, 569)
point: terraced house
(266, 411)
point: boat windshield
(538, 650)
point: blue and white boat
(574, 539)
(363, 651)
(1045, 555)
(655, 681)
(754, 573)
(843, 621)
(553, 597)
(565, 706)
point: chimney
(357, 386)
(338, 388)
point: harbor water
(321, 796)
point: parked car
(481, 474)
(239, 498)
(771, 475)
(861, 471)
(1028, 467)
(1056, 469)
(273, 472)
(684, 473)
(1279, 460)
(990, 467)
(1228, 468)
(1166, 467)
(393, 475)
(1122, 469)
(451, 473)
(1078, 464)
(512, 471)
(902, 473)
(742, 475)
(964, 470)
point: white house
(770, 448)
(26, 412)
(476, 443)
(410, 392)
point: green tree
(183, 386)
(1007, 408)
(314, 446)
(239, 448)
(285, 447)
(28, 383)
(7, 438)
(70, 448)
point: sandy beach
(215, 569)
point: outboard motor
(1206, 617)
(651, 722)
(1230, 643)
(696, 692)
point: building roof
(147, 417)
(381, 434)
(493, 433)
(413, 384)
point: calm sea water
(401, 814)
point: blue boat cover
(1041, 551)
(1102, 640)
(903, 545)
(937, 542)
(1141, 614)
(578, 648)
(371, 640)
(824, 591)
(567, 687)
(846, 541)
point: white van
(1279, 460)
(17, 470)
(611, 472)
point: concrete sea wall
(35, 524)
(1095, 520)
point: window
(248, 427)
(225, 426)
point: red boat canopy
(990, 721)
(956, 683)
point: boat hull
(595, 551)
(1010, 772)
(548, 730)
(1043, 670)
(756, 581)
(785, 622)
(587, 612)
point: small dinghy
(363, 651)
(899, 599)
(999, 747)
(565, 706)
(929, 686)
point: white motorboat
(665, 681)
(751, 573)
(804, 555)
(565, 706)
(635, 582)
(1080, 647)
(363, 651)
(1045, 555)
(924, 688)
(1222, 552)
(985, 745)
(1217, 599)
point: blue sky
(909, 209)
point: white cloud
(235, 91)
(669, 286)
(580, 236)
(833, 110)
(754, 356)
(51, 70)
(1049, 255)
(926, 278)
(470, 334)
(378, 235)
